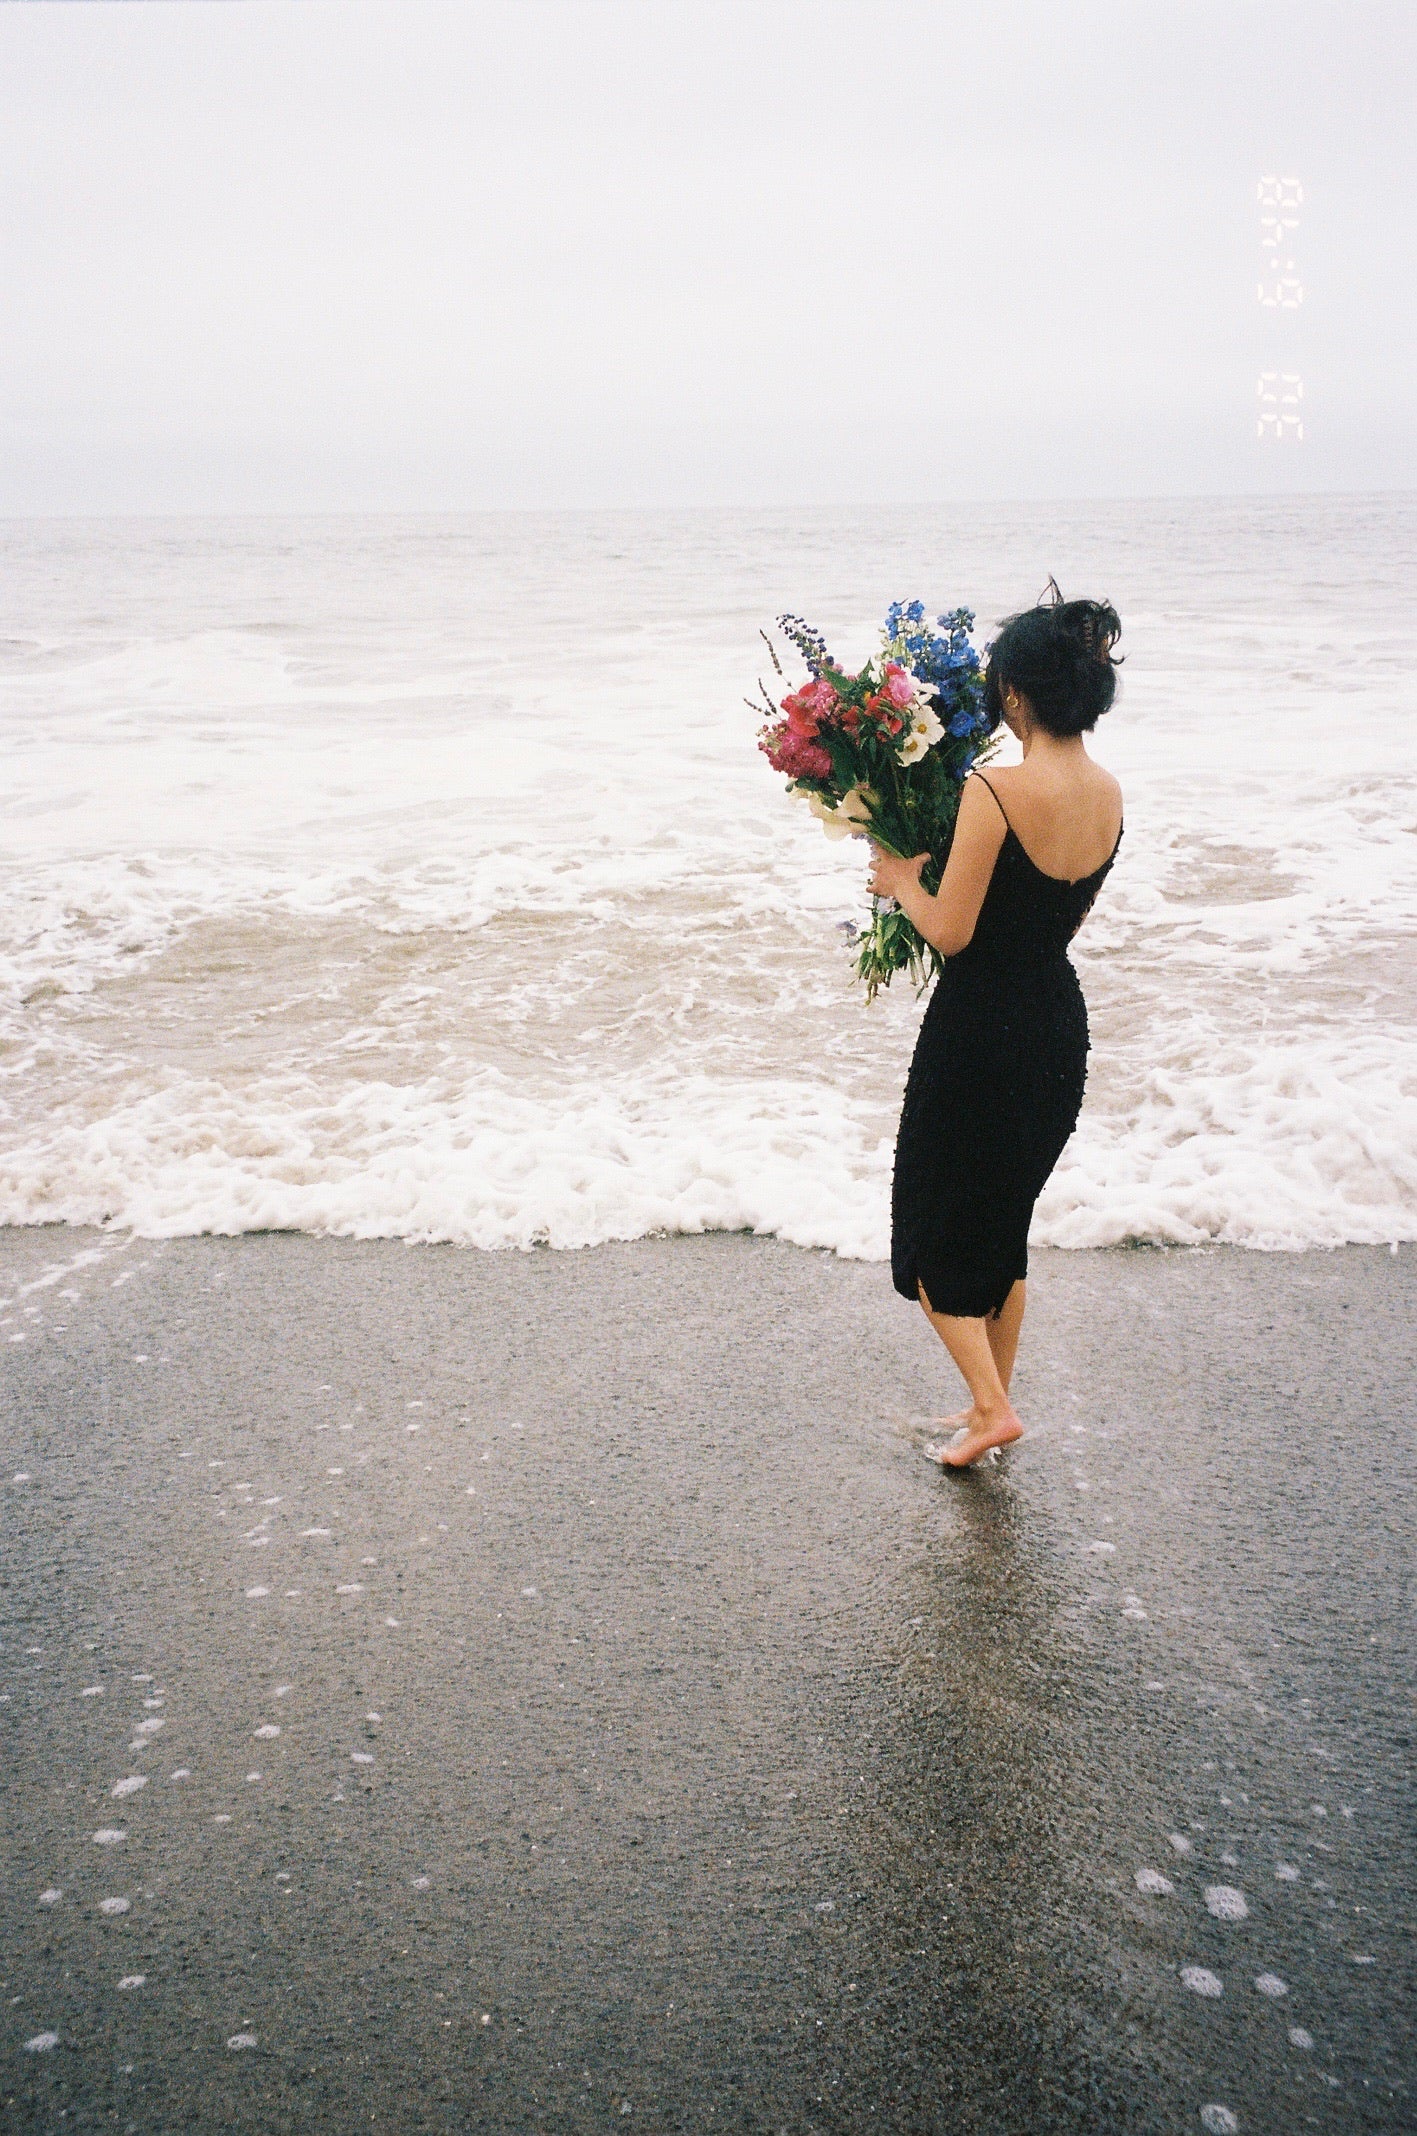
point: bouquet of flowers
(884, 753)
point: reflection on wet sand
(624, 1715)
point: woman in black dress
(997, 1078)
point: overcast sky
(452, 253)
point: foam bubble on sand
(130, 1786)
(1270, 1984)
(133, 1980)
(239, 2040)
(1286, 1872)
(149, 1727)
(1226, 1903)
(52, 1896)
(283, 1690)
(361, 1757)
(1201, 1981)
(109, 1836)
(254, 1594)
(350, 1587)
(1180, 1842)
(1151, 1880)
(114, 1906)
(1218, 2121)
(183, 1772)
(1298, 2037)
(253, 1776)
(92, 1691)
(392, 1623)
(317, 1531)
(334, 1472)
(1103, 1549)
(41, 2043)
(422, 1883)
(223, 1817)
(528, 1590)
(267, 1728)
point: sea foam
(420, 879)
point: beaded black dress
(994, 1089)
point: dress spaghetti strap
(997, 802)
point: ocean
(419, 877)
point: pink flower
(790, 751)
(899, 686)
(808, 707)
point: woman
(996, 1082)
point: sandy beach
(447, 1690)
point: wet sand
(564, 1698)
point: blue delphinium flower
(939, 653)
(809, 643)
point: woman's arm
(947, 920)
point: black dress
(994, 1090)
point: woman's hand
(890, 875)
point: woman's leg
(990, 1421)
(1002, 1329)
(1003, 1332)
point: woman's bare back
(1066, 815)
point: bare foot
(981, 1434)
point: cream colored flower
(928, 720)
(922, 733)
(851, 814)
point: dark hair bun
(1059, 656)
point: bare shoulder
(1108, 784)
(982, 787)
(1031, 784)
(1001, 775)
(979, 805)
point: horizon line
(471, 511)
